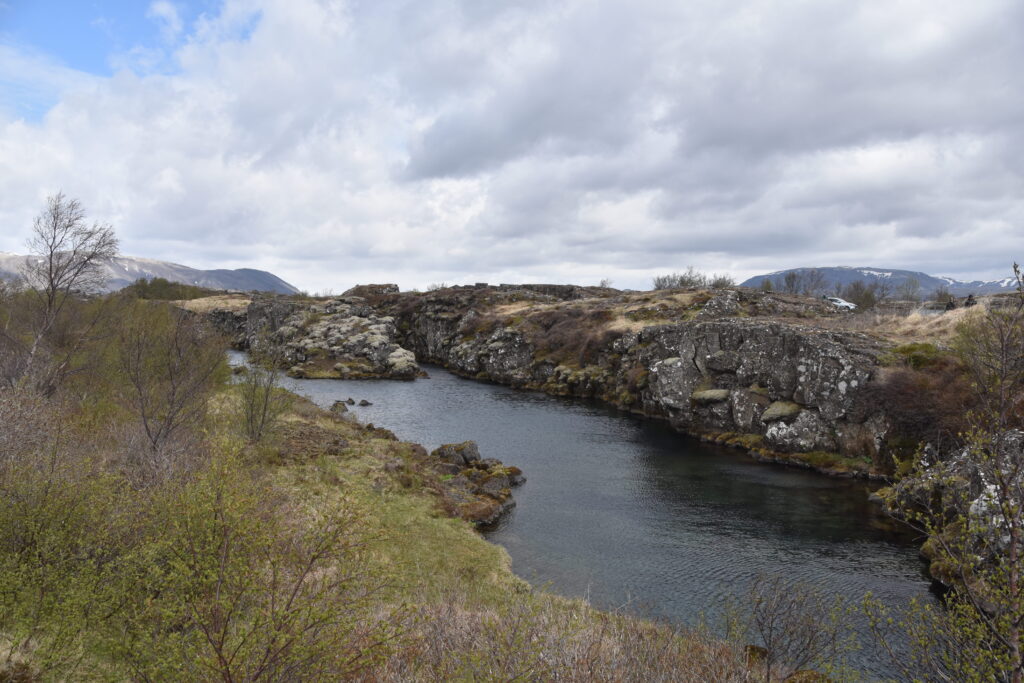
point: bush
(165, 290)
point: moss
(756, 388)
(710, 396)
(916, 355)
(780, 410)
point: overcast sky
(419, 141)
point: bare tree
(814, 282)
(793, 282)
(263, 401)
(66, 254)
(66, 259)
(798, 626)
(171, 362)
(909, 290)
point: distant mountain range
(124, 270)
(895, 279)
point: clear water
(628, 513)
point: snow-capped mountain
(894, 279)
(121, 271)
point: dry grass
(935, 328)
(235, 303)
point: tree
(170, 362)
(40, 336)
(66, 255)
(909, 290)
(793, 282)
(691, 278)
(971, 506)
(865, 296)
(815, 282)
(263, 402)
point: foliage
(262, 400)
(169, 361)
(165, 290)
(971, 505)
(690, 279)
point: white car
(841, 303)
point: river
(628, 513)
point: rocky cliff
(340, 338)
(741, 367)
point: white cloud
(335, 142)
(165, 14)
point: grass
(236, 303)
(915, 327)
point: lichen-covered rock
(807, 432)
(462, 454)
(721, 371)
(342, 338)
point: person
(969, 301)
(950, 304)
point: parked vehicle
(841, 303)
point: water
(628, 513)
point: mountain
(894, 279)
(121, 271)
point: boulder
(462, 454)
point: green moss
(917, 355)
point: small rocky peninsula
(746, 368)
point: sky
(336, 142)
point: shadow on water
(624, 511)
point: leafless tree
(909, 290)
(798, 625)
(793, 282)
(814, 282)
(66, 255)
(263, 401)
(170, 361)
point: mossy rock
(780, 410)
(710, 396)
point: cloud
(335, 142)
(165, 14)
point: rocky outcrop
(479, 488)
(341, 338)
(736, 367)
